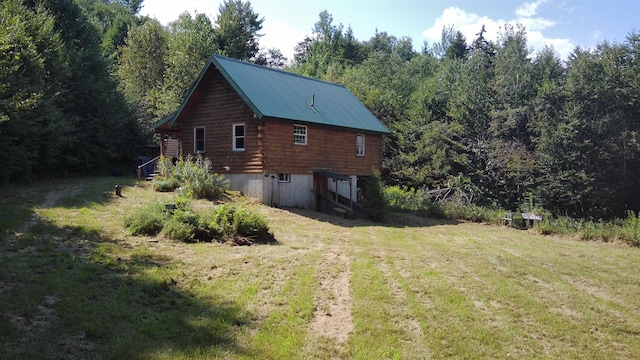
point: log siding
(217, 107)
(327, 148)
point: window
(360, 145)
(238, 137)
(284, 178)
(299, 135)
(198, 140)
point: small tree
(375, 203)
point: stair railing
(145, 164)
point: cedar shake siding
(327, 148)
(217, 107)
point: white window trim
(360, 136)
(195, 140)
(305, 135)
(235, 137)
(284, 178)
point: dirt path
(43, 318)
(52, 197)
(333, 318)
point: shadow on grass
(19, 202)
(71, 293)
(393, 219)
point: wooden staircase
(153, 173)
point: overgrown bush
(630, 229)
(148, 220)
(181, 222)
(375, 203)
(231, 221)
(455, 207)
(626, 230)
(177, 230)
(165, 184)
(458, 209)
(405, 199)
(192, 174)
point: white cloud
(281, 35)
(469, 24)
(167, 13)
(529, 9)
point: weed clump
(191, 174)
(225, 223)
(233, 221)
(148, 220)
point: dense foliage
(500, 121)
(82, 79)
(180, 221)
(60, 111)
(193, 175)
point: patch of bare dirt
(50, 200)
(332, 318)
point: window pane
(299, 134)
(238, 137)
(198, 140)
(360, 145)
(284, 178)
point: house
(285, 139)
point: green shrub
(165, 185)
(225, 222)
(186, 216)
(375, 203)
(491, 215)
(178, 230)
(251, 224)
(405, 199)
(148, 220)
(193, 175)
(456, 209)
(629, 229)
(231, 221)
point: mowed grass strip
(486, 292)
(74, 284)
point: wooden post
(162, 135)
(350, 193)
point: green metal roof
(282, 95)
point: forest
(82, 80)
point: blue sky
(564, 24)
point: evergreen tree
(237, 30)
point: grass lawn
(75, 285)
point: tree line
(83, 79)
(493, 117)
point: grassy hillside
(74, 284)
